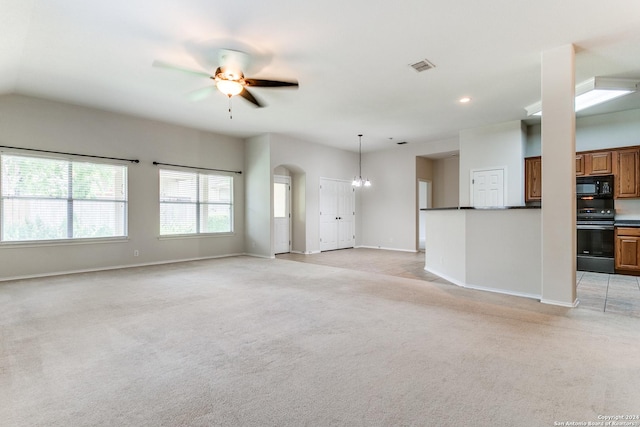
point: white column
(558, 177)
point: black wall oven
(595, 224)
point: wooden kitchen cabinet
(600, 163)
(533, 179)
(627, 179)
(580, 165)
(627, 257)
(597, 163)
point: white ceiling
(350, 57)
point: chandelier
(358, 181)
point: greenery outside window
(59, 199)
(195, 203)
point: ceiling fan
(229, 78)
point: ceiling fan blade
(166, 65)
(269, 83)
(249, 97)
(202, 93)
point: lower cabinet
(627, 249)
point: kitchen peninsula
(492, 249)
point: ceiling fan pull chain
(230, 114)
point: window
(54, 199)
(195, 203)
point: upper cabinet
(533, 179)
(623, 163)
(598, 163)
(627, 177)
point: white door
(337, 214)
(487, 188)
(346, 215)
(328, 214)
(281, 214)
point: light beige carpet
(255, 342)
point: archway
(298, 220)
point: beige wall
(47, 125)
(446, 182)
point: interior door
(328, 214)
(346, 215)
(337, 214)
(487, 188)
(281, 214)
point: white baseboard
(114, 267)
(483, 288)
(386, 249)
(445, 277)
(259, 255)
(505, 292)
(561, 303)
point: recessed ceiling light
(464, 100)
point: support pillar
(558, 177)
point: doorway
(281, 214)
(424, 202)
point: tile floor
(610, 293)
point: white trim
(502, 291)
(386, 249)
(21, 244)
(561, 303)
(115, 267)
(195, 235)
(483, 288)
(259, 256)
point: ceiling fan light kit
(230, 80)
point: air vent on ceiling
(423, 65)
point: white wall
(495, 250)
(389, 206)
(258, 199)
(315, 161)
(446, 182)
(504, 251)
(494, 147)
(620, 129)
(47, 125)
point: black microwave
(594, 186)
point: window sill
(194, 236)
(62, 242)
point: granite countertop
(627, 223)
(497, 208)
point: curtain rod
(70, 154)
(196, 167)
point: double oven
(595, 224)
